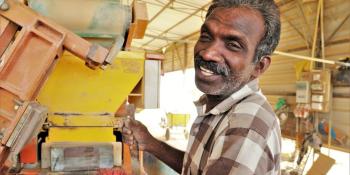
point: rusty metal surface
(7, 32)
(98, 18)
(25, 17)
(28, 126)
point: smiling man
(236, 131)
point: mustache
(212, 66)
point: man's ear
(262, 66)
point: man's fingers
(141, 147)
(128, 140)
(134, 132)
(134, 147)
(129, 123)
(129, 137)
(126, 131)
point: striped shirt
(240, 135)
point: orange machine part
(127, 159)
(30, 171)
(29, 153)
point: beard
(230, 80)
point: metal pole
(311, 58)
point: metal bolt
(3, 5)
(46, 126)
(18, 103)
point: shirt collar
(247, 89)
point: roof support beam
(297, 30)
(182, 65)
(173, 61)
(186, 55)
(161, 11)
(170, 39)
(183, 20)
(337, 28)
(162, 5)
(283, 2)
(307, 31)
(297, 49)
(280, 4)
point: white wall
(178, 91)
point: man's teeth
(206, 71)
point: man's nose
(212, 53)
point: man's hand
(136, 134)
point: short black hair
(269, 11)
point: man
(236, 131)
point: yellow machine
(82, 117)
(80, 134)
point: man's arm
(169, 155)
(135, 131)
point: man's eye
(204, 37)
(233, 45)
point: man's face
(225, 50)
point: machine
(57, 116)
